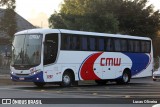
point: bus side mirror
(7, 50)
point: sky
(37, 12)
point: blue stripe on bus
(139, 62)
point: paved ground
(138, 89)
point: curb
(5, 80)
(4, 76)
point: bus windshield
(26, 51)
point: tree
(131, 17)
(136, 18)
(10, 4)
(79, 15)
(8, 21)
(56, 21)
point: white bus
(66, 57)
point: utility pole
(41, 24)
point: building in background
(22, 24)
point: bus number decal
(49, 76)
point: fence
(5, 50)
(4, 64)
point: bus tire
(101, 82)
(126, 76)
(67, 79)
(39, 84)
(154, 79)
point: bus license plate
(21, 78)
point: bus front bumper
(30, 78)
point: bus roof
(46, 31)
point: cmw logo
(110, 62)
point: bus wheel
(39, 84)
(101, 82)
(125, 78)
(66, 79)
(154, 79)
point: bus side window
(84, 43)
(137, 46)
(65, 42)
(92, 44)
(109, 44)
(143, 46)
(117, 44)
(130, 45)
(78, 44)
(148, 46)
(123, 45)
(101, 44)
(50, 48)
(75, 42)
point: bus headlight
(12, 72)
(35, 72)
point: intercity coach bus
(66, 56)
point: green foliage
(138, 19)
(56, 21)
(10, 4)
(84, 15)
(131, 17)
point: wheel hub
(66, 79)
(125, 77)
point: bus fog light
(11, 78)
(37, 78)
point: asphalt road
(139, 93)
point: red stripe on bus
(87, 69)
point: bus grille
(22, 74)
